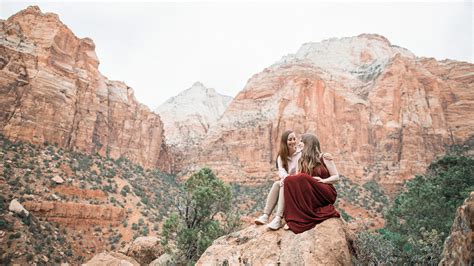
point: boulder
(17, 208)
(111, 259)
(58, 179)
(329, 243)
(163, 260)
(145, 249)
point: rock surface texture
(326, 244)
(51, 90)
(458, 246)
(111, 259)
(72, 213)
(145, 249)
(383, 113)
(188, 116)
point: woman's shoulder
(326, 156)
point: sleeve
(281, 170)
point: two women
(310, 194)
(307, 198)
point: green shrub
(14, 235)
(203, 196)
(374, 249)
(345, 216)
(68, 253)
(5, 225)
(3, 204)
(421, 216)
(125, 190)
(431, 201)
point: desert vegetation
(203, 213)
(28, 173)
(154, 204)
(420, 218)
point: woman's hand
(300, 146)
(319, 179)
(282, 181)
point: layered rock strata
(52, 91)
(383, 113)
(80, 214)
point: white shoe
(276, 223)
(262, 219)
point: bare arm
(334, 174)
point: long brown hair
(310, 154)
(284, 152)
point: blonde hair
(310, 154)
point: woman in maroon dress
(310, 195)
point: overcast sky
(160, 49)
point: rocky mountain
(78, 204)
(329, 243)
(52, 91)
(188, 116)
(383, 112)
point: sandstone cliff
(384, 113)
(326, 244)
(458, 246)
(51, 90)
(188, 116)
(71, 213)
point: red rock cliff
(51, 90)
(383, 112)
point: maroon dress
(307, 201)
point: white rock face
(188, 116)
(382, 111)
(361, 57)
(58, 179)
(353, 61)
(16, 207)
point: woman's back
(321, 170)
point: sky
(161, 48)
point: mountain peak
(199, 87)
(197, 84)
(193, 110)
(349, 54)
